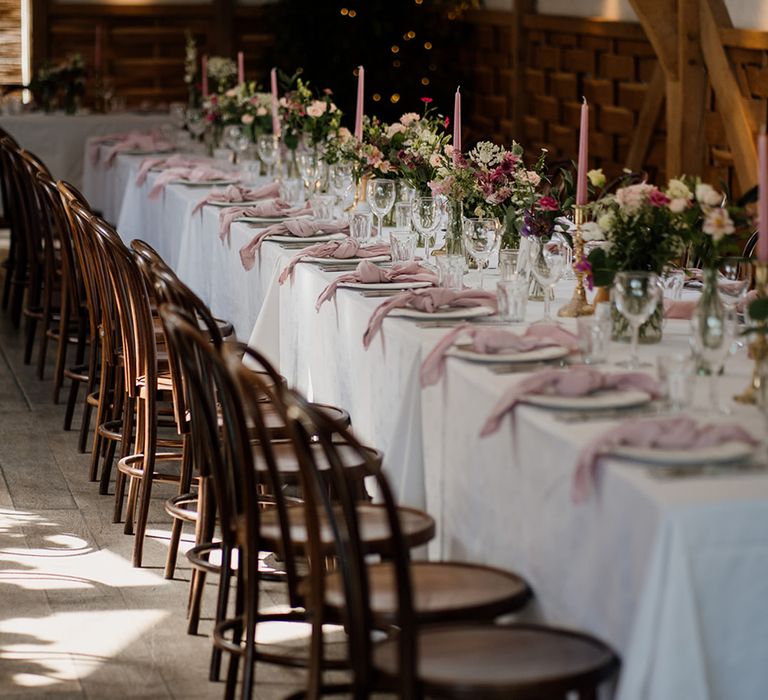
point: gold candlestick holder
(578, 305)
(758, 348)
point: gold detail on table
(758, 348)
(578, 305)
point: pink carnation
(548, 204)
(658, 199)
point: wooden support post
(693, 91)
(647, 120)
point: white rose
(261, 111)
(631, 198)
(408, 118)
(396, 128)
(706, 194)
(231, 92)
(677, 189)
(591, 231)
(344, 134)
(247, 119)
(316, 109)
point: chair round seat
(442, 591)
(417, 527)
(288, 463)
(517, 661)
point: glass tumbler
(512, 297)
(360, 226)
(403, 245)
(450, 271)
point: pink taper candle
(762, 211)
(204, 71)
(359, 112)
(581, 176)
(457, 126)
(240, 68)
(275, 117)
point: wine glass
(177, 113)
(426, 214)
(636, 295)
(196, 123)
(547, 263)
(268, 149)
(341, 180)
(308, 169)
(481, 238)
(733, 280)
(381, 198)
(712, 338)
(237, 140)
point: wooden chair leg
(185, 486)
(237, 635)
(130, 505)
(30, 333)
(101, 413)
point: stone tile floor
(76, 619)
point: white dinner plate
(345, 261)
(440, 314)
(600, 399)
(269, 219)
(146, 152)
(206, 183)
(234, 204)
(385, 285)
(554, 352)
(727, 452)
(320, 238)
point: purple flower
(586, 268)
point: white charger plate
(554, 352)
(600, 399)
(345, 261)
(207, 183)
(385, 285)
(445, 314)
(320, 238)
(725, 453)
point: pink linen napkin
(300, 228)
(272, 207)
(165, 163)
(369, 273)
(335, 250)
(239, 193)
(667, 433)
(429, 300)
(495, 340)
(198, 173)
(95, 142)
(138, 142)
(575, 381)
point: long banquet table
(672, 572)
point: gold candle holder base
(578, 305)
(758, 348)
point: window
(10, 41)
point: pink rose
(657, 198)
(548, 204)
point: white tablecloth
(59, 139)
(673, 573)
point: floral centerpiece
(63, 82)
(190, 70)
(307, 118)
(242, 105)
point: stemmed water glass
(481, 238)
(340, 181)
(733, 280)
(547, 260)
(381, 198)
(636, 295)
(268, 149)
(712, 338)
(426, 214)
(309, 168)
(237, 140)
(196, 123)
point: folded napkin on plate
(575, 381)
(300, 228)
(271, 207)
(495, 340)
(369, 273)
(239, 193)
(165, 163)
(198, 174)
(668, 433)
(335, 250)
(136, 142)
(429, 301)
(95, 142)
